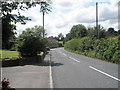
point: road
(76, 71)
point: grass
(9, 54)
(61, 42)
(6, 54)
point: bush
(100, 46)
(72, 44)
(105, 49)
(30, 46)
(85, 44)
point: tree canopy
(78, 31)
(30, 42)
(7, 17)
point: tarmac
(29, 76)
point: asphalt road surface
(76, 71)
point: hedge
(105, 49)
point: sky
(66, 13)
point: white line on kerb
(74, 59)
(104, 73)
(50, 73)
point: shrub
(106, 49)
(86, 44)
(72, 44)
(100, 46)
(114, 48)
(30, 46)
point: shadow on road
(47, 63)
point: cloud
(108, 12)
(66, 13)
(64, 4)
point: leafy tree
(68, 37)
(31, 46)
(78, 31)
(100, 32)
(118, 32)
(35, 31)
(30, 42)
(60, 37)
(112, 33)
(111, 30)
(7, 17)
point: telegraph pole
(43, 12)
(97, 20)
(43, 25)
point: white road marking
(74, 59)
(104, 73)
(52, 49)
(64, 54)
(50, 73)
(30, 72)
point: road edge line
(50, 72)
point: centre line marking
(74, 59)
(104, 73)
(64, 54)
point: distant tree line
(79, 31)
(85, 41)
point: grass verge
(6, 54)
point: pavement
(29, 76)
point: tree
(93, 32)
(35, 31)
(78, 31)
(118, 32)
(111, 32)
(68, 37)
(8, 18)
(60, 37)
(30, 42)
